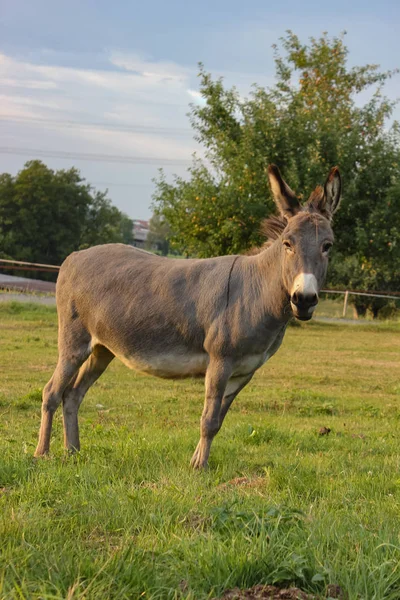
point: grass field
(127, 518)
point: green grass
(127, 518)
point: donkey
(221, 318)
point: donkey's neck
(268, 270)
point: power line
(124, 127)
(111, 158)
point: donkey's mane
(271, 229)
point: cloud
(153, 71)
(143, 94)
(197, 97)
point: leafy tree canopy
(45, 215)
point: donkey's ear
(285, 199)
(333, 190)
(326, 201)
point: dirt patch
(335, 591)
(324, 431)
(244, 482)
(271, 592)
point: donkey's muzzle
(304, 296)
(303, 305)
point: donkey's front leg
(217, 376)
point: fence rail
(28, 264)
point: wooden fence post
(346, 299)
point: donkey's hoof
(71, 453)
(41, 453)
(197, 463)
(198, 466)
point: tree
(310, 120)
(104, 223)
(158, 236)
(46, 215)
(375, 263)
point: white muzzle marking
(305, 283)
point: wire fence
(347, 293)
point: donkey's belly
(187, 364)
(170, 365)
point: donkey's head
(306, 238)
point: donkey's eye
(288, 246)
(326, 247)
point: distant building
(140, 232)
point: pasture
(280, 504)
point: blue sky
(126, 71)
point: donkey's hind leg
(74, 348)
(89, 372)
(52, 396)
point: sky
(82, 81)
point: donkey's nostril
(296, 298)
(304, 300)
